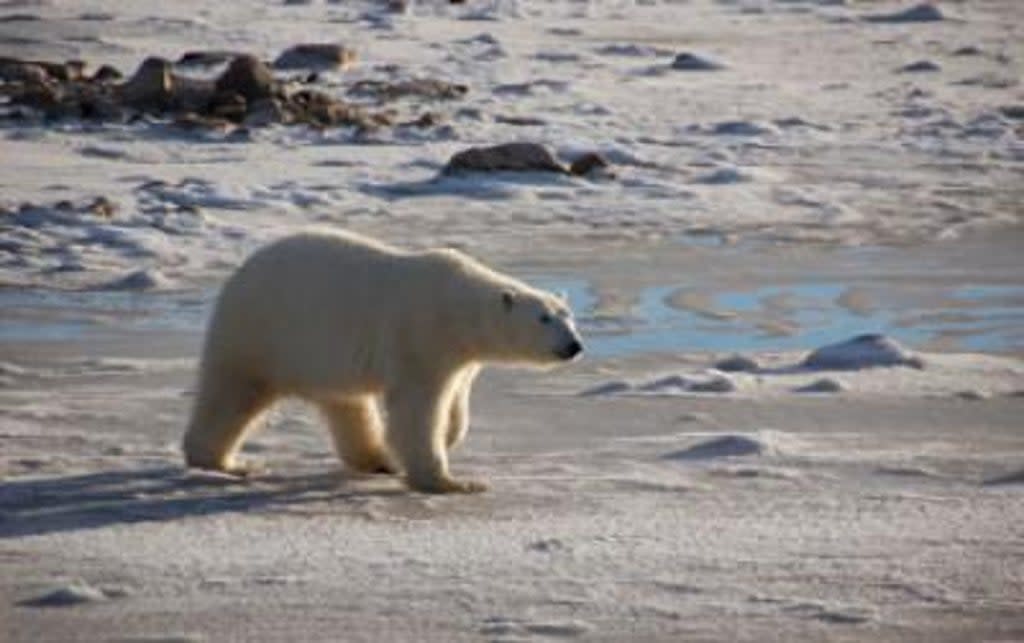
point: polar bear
(358, 327)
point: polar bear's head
(537, 327)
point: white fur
(349, 323)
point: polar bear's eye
(545, 318)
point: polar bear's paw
(448, 485)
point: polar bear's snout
(571, 350)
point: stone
(316, 56)
(426, 88)
(687, 61)
(248, 77)
(151, 87)
(737, 364)
(266, 111)
(107, 74)
(102, 207)
(229, 105)
(591, 162)
(508, 157)
(207, 58)
(22, 71)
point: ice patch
(862, 351)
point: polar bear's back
(277, 309)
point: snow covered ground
(784, 175)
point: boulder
(151, 87)
(591, 162)
(316, 56)
(248, 77)
(508, 157)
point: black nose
(573, 349)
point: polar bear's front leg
(417, 421)
(224, 408)
(458, 417)
(358, 434)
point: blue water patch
(802, 316)
(986, 318)
(47, 315)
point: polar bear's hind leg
(358, 434)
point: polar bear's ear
(508, 299)
(563, 296)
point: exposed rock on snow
(316, 56)
(508, 157)
(248, 77)
(726, 446)
(151, 87)
(920, 66)
(687, 61)
(590, 163)
(424, 88)
(924, 12)
(737, 364)
(823, 385)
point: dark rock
(1016, 112)
(75, 70)
(107, 74)
(248, 77)
(426, 88)
(822, 385)
(426, 119)
(589, 162)
(519, 121)
(192, 94)
(687, 61)
(229, 105)
(22, 71)
(920, 66)
(316, 56)
(320, 109)
(508, 157)
(968, 50)
(102, 207)
(98, 105)
(206, 58)
(44, 97)
(924, 12)
(151, 88)
(737, 364)
(266, 111)
(201, 122)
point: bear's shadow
(41, 506)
